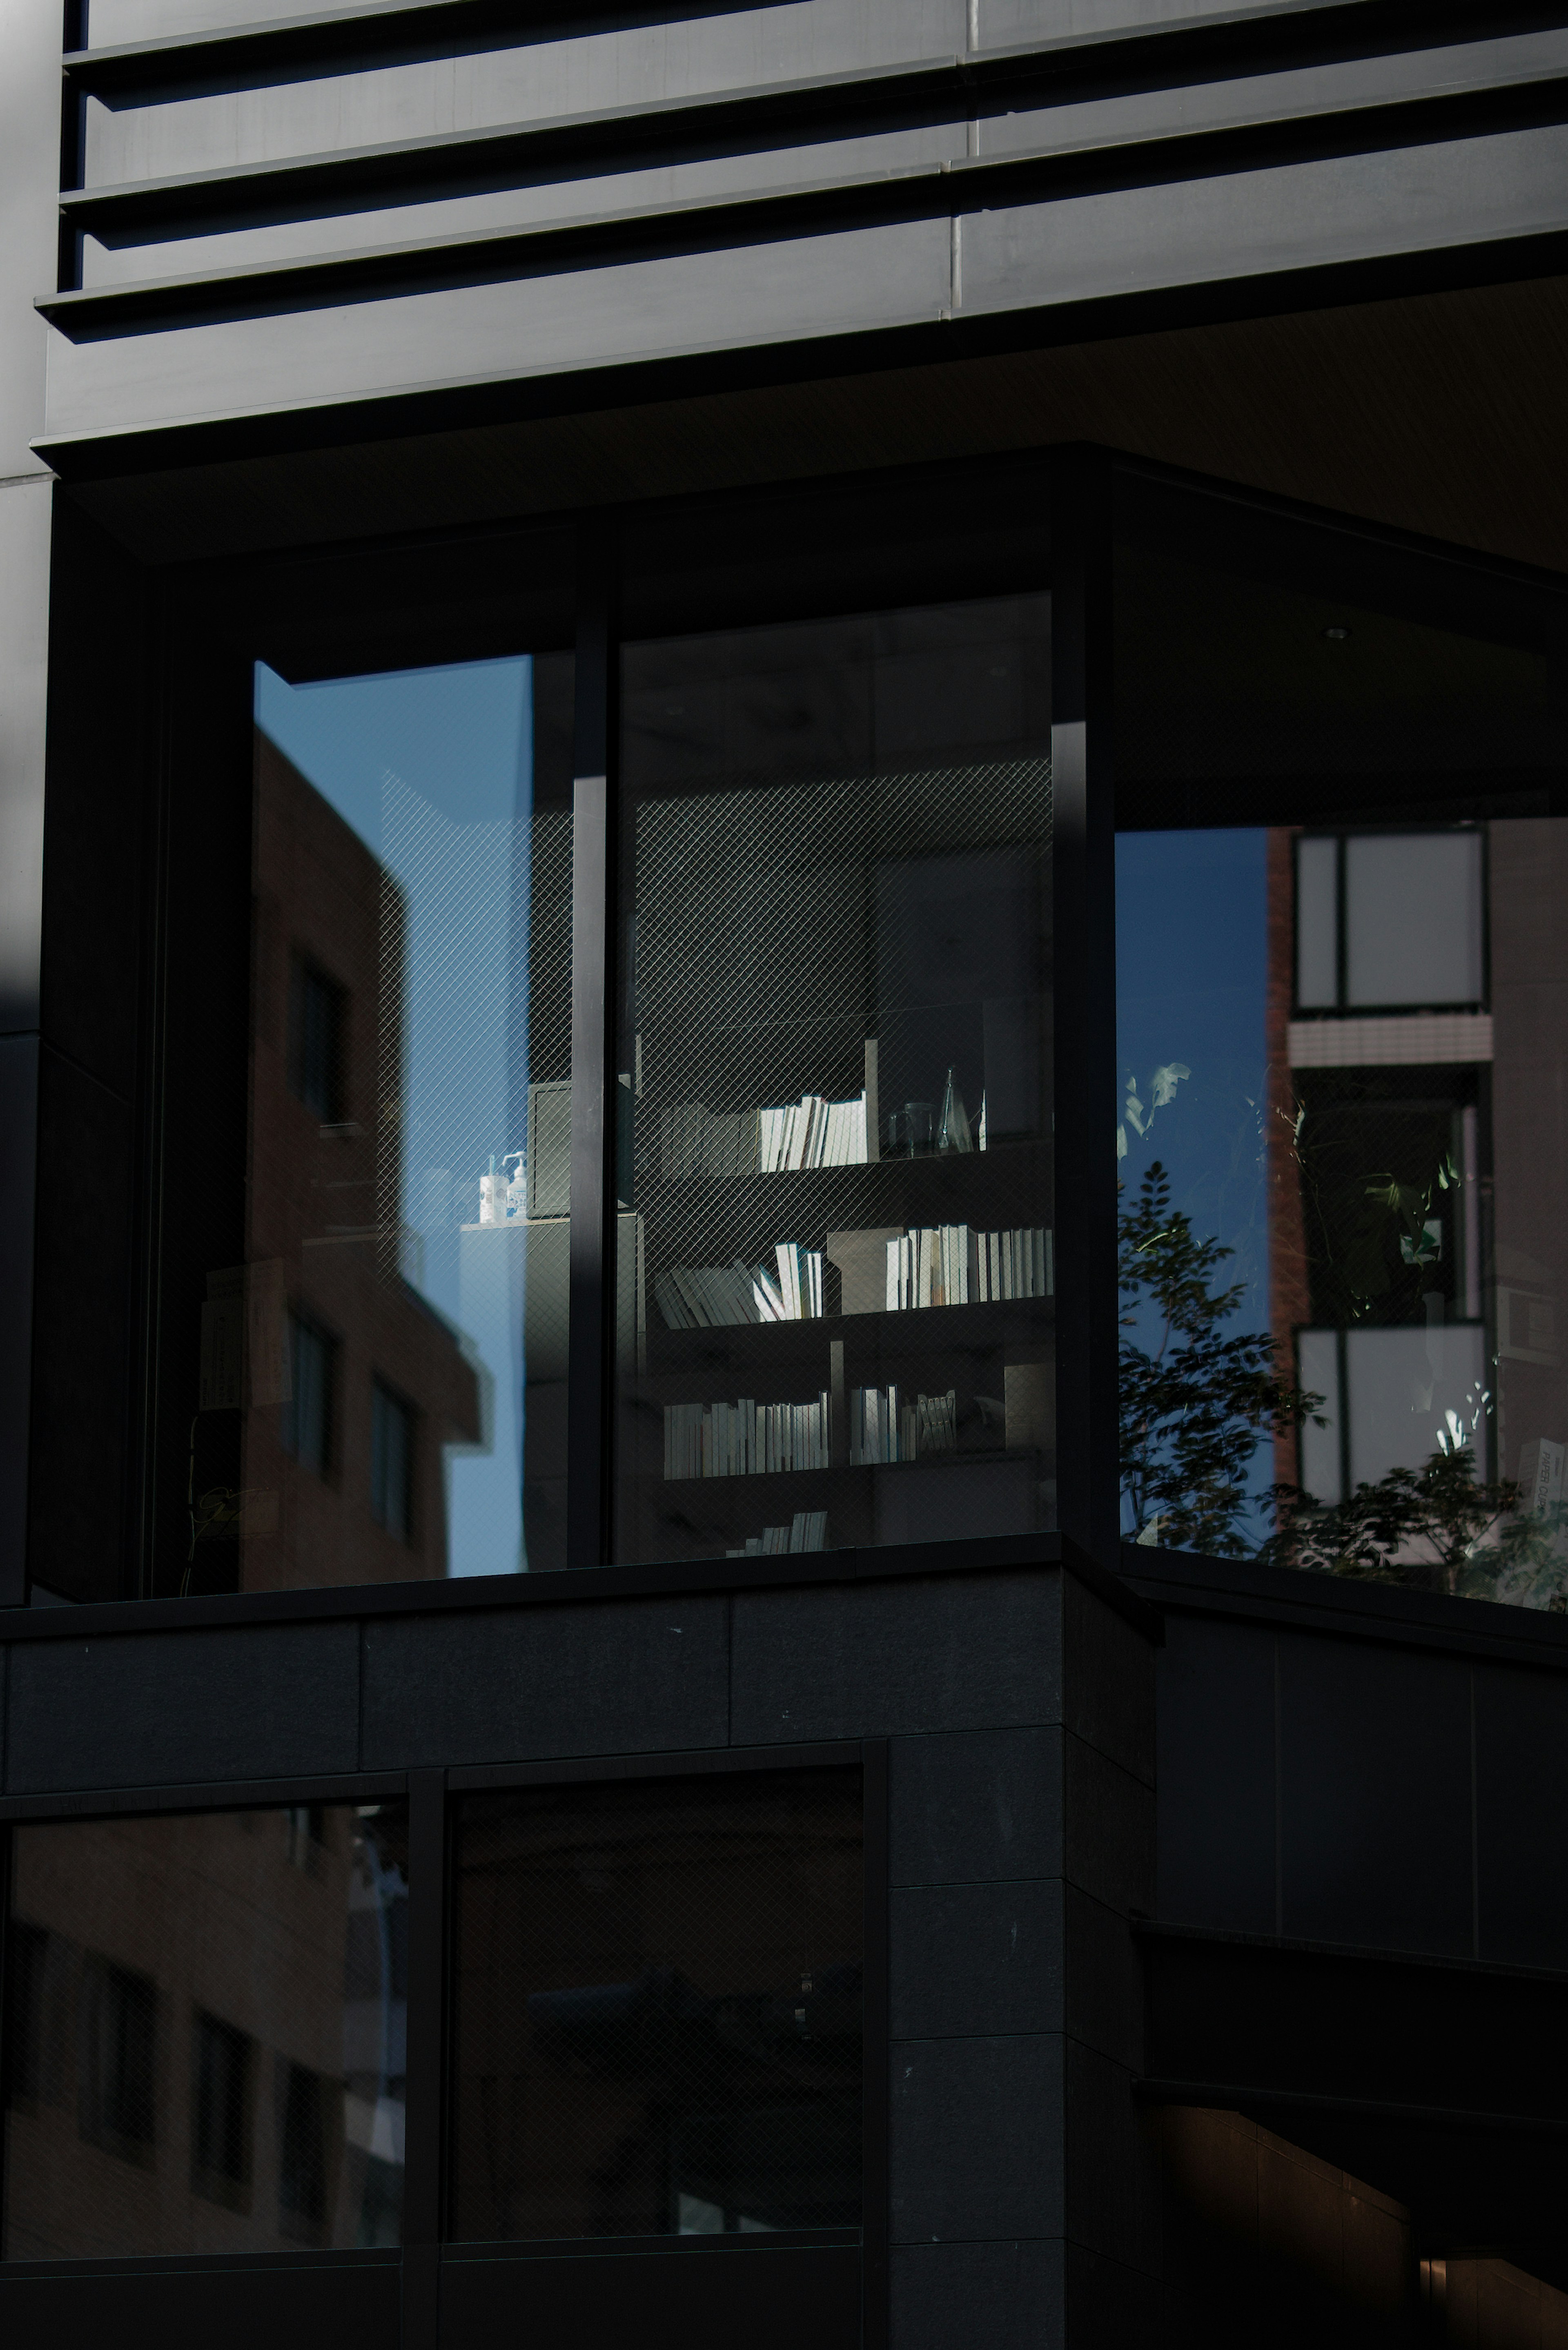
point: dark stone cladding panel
(1000, 2296)
(973, 1959)
(1113, 2162)
(971, 1806)
(1376, 1796)
(1103, 2002)
(621, 1678)
(878, 1660)
(167, 1709)
(1107, 1681)
(1521, 1742)
(1108, 1834)
(977, 2139)
(1215, 1685)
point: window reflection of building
(1415, 985)
(353, 1383)
(657, 2019)
(206, 2026)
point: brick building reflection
(341, 1383)
(1417, 1202)
(206, 2020)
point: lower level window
(659, 2008)
(205, 2039)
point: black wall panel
(1375, 1764)
(978, 2139)
(976, 1958)
(702, 2299)
(164, 1708)
(1216, 1733)
(622, 1679)
(982, 1803)
(1522, 1816)
(875, 1660)
(1003, 2296)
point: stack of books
(881, 1429)
(1017, 1265)
(718, 1296)
(744, 1439)
(812, 1132)
(931, 1266)
(947, 1264)
(808, 1531)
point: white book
(748, 1309)
(860, 1152)
(667, 1298)
(770, 1294)
(710, 1288)
(894, 1264)
(680, 1274)
(923, 1292)
(789, 1279)
(832, 1153)
(814, 1283)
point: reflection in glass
(657, 2016)
(1342, 1158)
(837, 1242)
(206, 2024)
(381, 1390)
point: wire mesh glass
(206, 2023)
(658, 2011)
(836, 1083)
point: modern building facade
(677, 1662)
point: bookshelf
(837, 1044)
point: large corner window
(657, 2025)
(205, 2026)
(837, 1237)
(1343, 955)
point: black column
(592, 1196)
(1086, 1005)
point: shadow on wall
(1266, 2242)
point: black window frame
(590, 581)
(425, 2250)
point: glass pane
(657, 2016)
(377, 1372)
(1343, 1150)
(838, 1245)
(206, 2024)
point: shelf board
(918, 1329)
